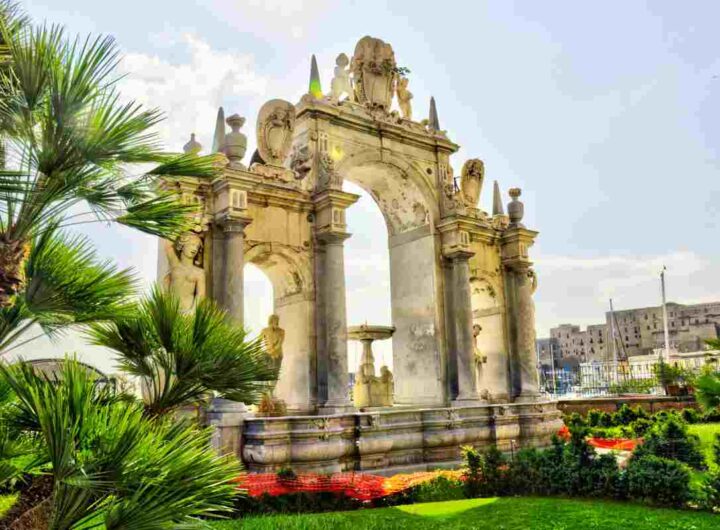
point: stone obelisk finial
(497, 200)
(219, 135)
(433, 120)
(314, 88)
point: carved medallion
(275, 125)
(373, 67)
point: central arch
(407, 204)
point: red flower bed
(360, 486)
(616, 444)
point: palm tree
(112, 467)
(70, 145)
(66, 285)
(181, 358)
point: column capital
(332, 237)
(231, 221)
(458, 254)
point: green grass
(706, 432)
(492, 513)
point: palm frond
(161, 216)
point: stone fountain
(370, 390)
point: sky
(604, 113)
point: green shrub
(640, 426)
(624, 416)
(716, 450)
(473, 471)
(690, 415)
(710, 491)
(593, 418)
(575, 420)
(438, 489)
(658, 481)
(605, 420)
(711, 415)
(670, 439)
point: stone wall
(392, 441)
(611, 404)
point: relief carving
(373, 67)
(471, 181)
(275, 126)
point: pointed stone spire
(497, 200)
(433, 121)
(314, 88)
(219, 135)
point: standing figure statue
(185, 277)
(479, 357)
(341, 81)
(404, 96)
(273, 336)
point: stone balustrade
(394, 440)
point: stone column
(338, 398)
(462, 318)
(525, 378)
(233, 266)
(331, 322)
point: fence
(600, 379)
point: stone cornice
(336, 198)
(354, 117)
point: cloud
(577, 289)
(190, 92)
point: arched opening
(417, 359)
(276, 282)
(258, 299)
(367, 275)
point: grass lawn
(492, 513)
(706, 432)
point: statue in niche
(273, 336)
(479, 357)
(527, 282)
(373, 67)
(185, 277)
(341, 80)
(404, 97)
(328, 177)
(471, 181)
(275, 125)
(388, 381)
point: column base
(528, 398)
(467, 402)
(329, 409)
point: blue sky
(604, 113)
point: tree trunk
(36, 518)
(13, 255)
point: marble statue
(273, 336)
(235, 143)
(373, 67)
(471, 181)
(479, 357)
(404, 97)
(388, 385)
(341, 80)
(275, 126)
(185, 277)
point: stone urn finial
(235, 144)
(515, 208)
(193, 147)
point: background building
(639, 332)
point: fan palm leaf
(111, 466)
(183, 357)
(72, 142)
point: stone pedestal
(227, 417)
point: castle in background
(638, 332)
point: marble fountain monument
(463, 323)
